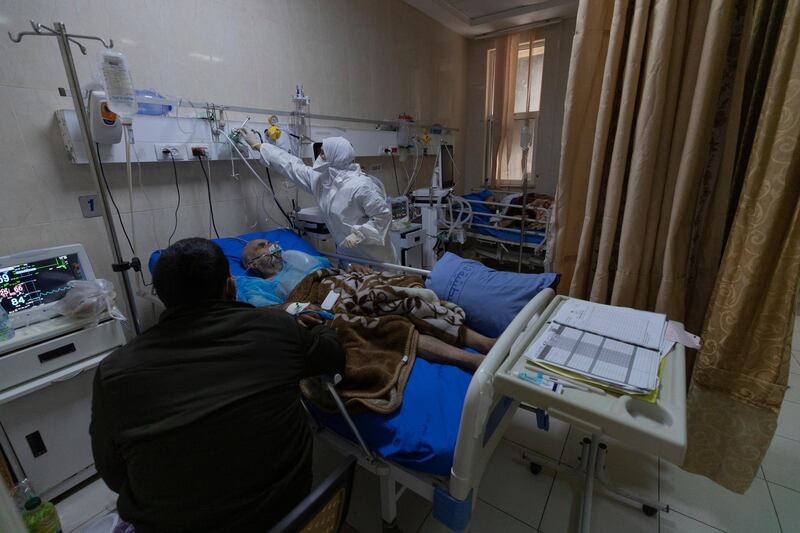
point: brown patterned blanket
(378, 318)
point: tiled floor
(86, 505)
(512, 500)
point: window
(527, 99)
(529, 81)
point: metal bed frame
(498, 248)
(484, 419)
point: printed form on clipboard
(618, 348)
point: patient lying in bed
(537, 206)
(363, 293)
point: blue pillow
(490, 298)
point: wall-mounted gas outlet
(388, 150)
(166, 152)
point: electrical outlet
(163, 152)
(199, 149)
(376, 167)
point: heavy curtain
(651, 116)
(742, 369)
(661, 98)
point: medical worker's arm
(107, 459)
(288, 165)
(373, 203)
(324, 352)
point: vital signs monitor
(31, 282)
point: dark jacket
(197, 423)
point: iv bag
(119, 83)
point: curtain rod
(264, 111)
(516, 29)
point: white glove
(250, 137)
(352, 240)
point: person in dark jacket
(197, 423)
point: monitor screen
(28, 285)
(448, 176)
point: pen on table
(567, 382)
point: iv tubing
(247, 163)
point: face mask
(319, 162)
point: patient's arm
(436, 351)
(478, 342)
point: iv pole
(64, 40)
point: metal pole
(94, 165)
(524, 209)
(487, 152)
(267, 111)
(588, 486)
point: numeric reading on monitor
(39, 282)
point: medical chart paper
(606, 361)
(615, 347)
(623, 324)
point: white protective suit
(352, 203)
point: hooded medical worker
(353, 204)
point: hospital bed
(438, 443)
(504, 243)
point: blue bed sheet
(422, 433)
(483, 215)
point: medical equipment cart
(46, 370)
(658, 428)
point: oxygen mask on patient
(266, 258)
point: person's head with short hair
(193, 271)
(262, 257)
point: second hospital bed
(440, 439)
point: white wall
(558, 47)
(361, 58)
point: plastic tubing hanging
(247, 163)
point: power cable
(396, 180)
(113, 202)
(178, 205)
(275, 198)
(135, 260)
(208, 189)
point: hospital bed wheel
(535, 469)
(391, 528)
(649, 511)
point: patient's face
(256, 257)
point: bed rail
(536, 221)
(479, 432)
(388, 266)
